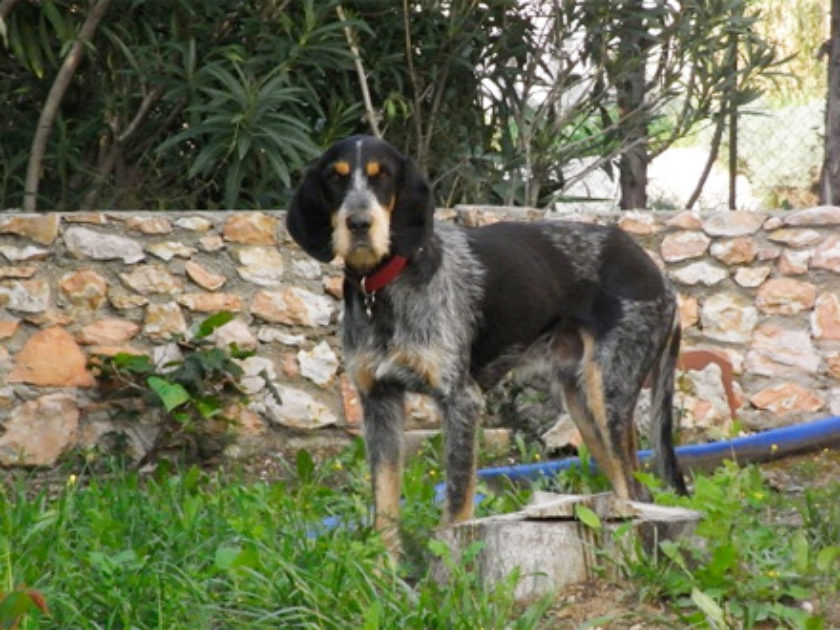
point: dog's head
(364, 201)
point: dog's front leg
(460, 412)
(383, 432)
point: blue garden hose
(759, 447)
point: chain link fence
(780, 152)
(778, 159)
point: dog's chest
(398, 345)
(417, 331)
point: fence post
(830, 176)
(733, 110)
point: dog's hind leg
(383, 433)
(601, 403)
(576, 404)
(610, 454)
(460, 412)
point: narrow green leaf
(243, 145)
(233, 184)
(305, 465)
(372, 615)
(210, 157)
(33, 49)
(62, 27)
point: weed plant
(758, 558)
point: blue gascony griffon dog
(447, 311)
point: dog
(447, 311)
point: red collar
(383, 275)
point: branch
(371, 114)
(53, 101)
(412, 74)
(108, 162)
(145, 105)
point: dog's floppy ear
(308, 219)
(413, 214)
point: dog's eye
(338, 170)
(375, 170)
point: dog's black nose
(358, 222)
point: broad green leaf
(208, 406)
(182, 416)
(799, 545)
(724, 558)
(172, 395)
(709, 607)
(827, 557)
(438, 548)
(238, 353)
(135, 363)
(226, 557)
(471, 552)
(211, 323)
(235, 557)
(586, 516)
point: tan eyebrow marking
(342, 167)
(372, 168)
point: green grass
(188, 549)
(197, 550)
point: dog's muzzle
(358, 223)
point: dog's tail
(662, 409)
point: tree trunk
(830, 185)
(631, 98)
(53, 101)
(713, 153)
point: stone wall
(760, 290)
